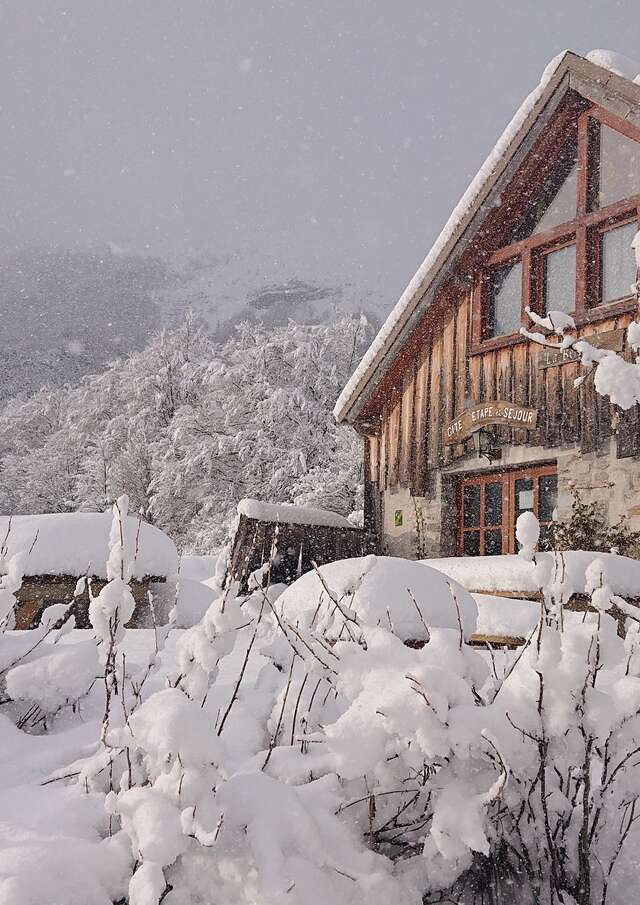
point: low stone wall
(40, 591)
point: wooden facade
(297, 546)
(410, 444)
(449, 361)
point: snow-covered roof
(346, 407)
(72, 543)
(289, 514)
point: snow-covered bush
(340, 740)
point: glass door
(491, 503)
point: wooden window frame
(508, 480)
(584, 231)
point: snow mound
(73, 543)
(378, 590)
(291, 515)
(194, 599)
(615, 62)
(197, 568)
(511, 572)
(500, 616)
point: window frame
(584, 231)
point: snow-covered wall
(289, 514)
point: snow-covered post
(11, 571)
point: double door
(489, 506)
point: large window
(490, 505)
(617, 266)
(570, 247)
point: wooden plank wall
(435, 384)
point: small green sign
(397, 518)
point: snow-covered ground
(296, 745)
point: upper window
(570, 249)
(559, 288)
(619, 167)
(505, 299)
(618, 269)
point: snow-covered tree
(187, 427)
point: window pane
(560, 279)
(471, 543)
(493, 543)
(471, 498)
(493, 504)
(563, 205)
(547, 497)
(505, 294)
(555, 200)
(524, 495)
(546, 538)
(619, 167)
(618, 262)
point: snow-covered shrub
(407, 597)
(340, 741)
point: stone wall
(598, 477)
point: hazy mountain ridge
(66, 314)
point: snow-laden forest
(189, 426)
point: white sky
(333, 137)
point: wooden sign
(482, 413)
(609, 339)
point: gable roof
(604, 78)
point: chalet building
(466, 423)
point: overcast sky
(333, 137)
